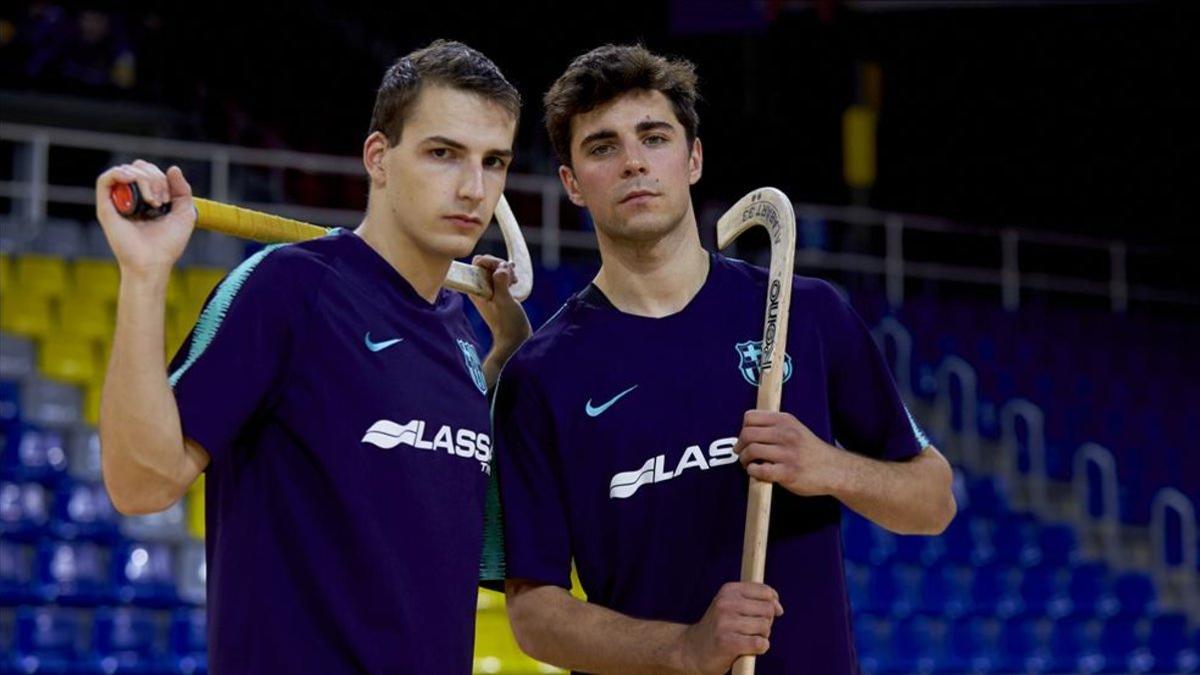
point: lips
(638, 193)
(464, 220)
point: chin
(454, 245)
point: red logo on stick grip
(129, 203)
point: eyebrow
(641, 127)
(450, 142)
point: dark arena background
(1004, 190)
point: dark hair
(605, 73)
(443, 62)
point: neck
(424, 272)
(653, 278)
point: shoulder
(807, 290)
(550, 347)
(279, 276)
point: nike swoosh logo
(596, 411)
(379, 346)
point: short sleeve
(868, 415)
(229, 369)
(536, 535)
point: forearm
(145, 462)
(912, 497)
(497, 357)
(552, 626)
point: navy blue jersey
(614, 446)
(347, 421)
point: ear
(571, 185)
(695, 162)
(374, 148)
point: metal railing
(32, 194)
(1106, 523)
(1035, 447)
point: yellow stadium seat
(496, 649)
(68, 359)
(195, 508)
(25, 314)
(43, 276)
(175, 289)
(198, 282)
(6, 272)
(95, 279)
(91, 402)
(86, 317)
(489, 601)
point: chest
(658, 412)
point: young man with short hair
(333, 394)
(622, 431)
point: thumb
(181, 191)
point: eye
(601, 149)
(440, 153)
(656, 139)
(495, 163)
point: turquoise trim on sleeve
(922, 439)
(492, 565)
(218, 306)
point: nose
(635, 162)
(470, 185)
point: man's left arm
(911, 496)
(503, 314)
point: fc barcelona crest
(749, 357)
(471, 358)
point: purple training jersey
(615, 438)
(347, 421)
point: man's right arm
(553, 626)
(147, 463)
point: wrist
(839, 473)
(676, 658)
(145, 276)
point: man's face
(633, 166)
(442, 180)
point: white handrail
(902, 340)
(1107, 522)
(943, 405)
(1170, 498)
(1035, 444)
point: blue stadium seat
(919, 645)
(1044, 591)
(17, 580)
(76, 573)
(191, 572)
(1013, 540)
(974, 646)
(10, 404)
(1058, 544)
(1073, 646)
(36, 454)
(1121, 639)
(1089, 590)
(996, 590)
(24, 511)
(145, 574)
(872, 636)
(1134, 592)
(46, 640)
(83, 511)
(946, 591)
(187, 651)
(126, 640)
(967, 541)
(83, 454)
